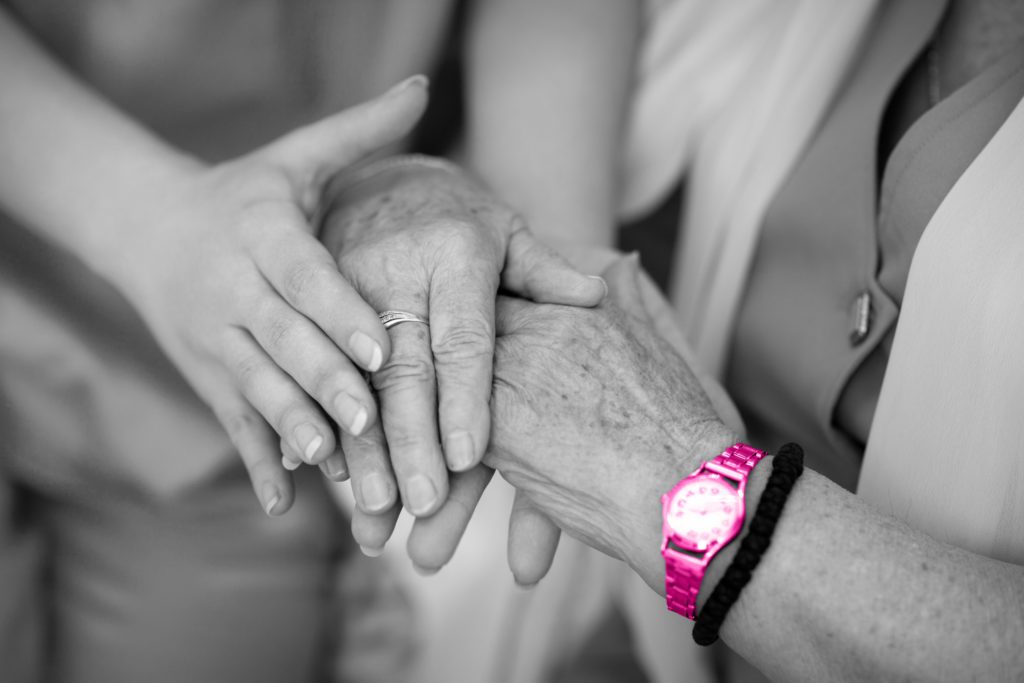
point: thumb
(534, 271)
(314, 153)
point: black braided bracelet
(787, 466)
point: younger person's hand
(230, 277)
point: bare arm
(843, 593)
(221, 261)
(73, 167)
(846, 593)
(548, 85)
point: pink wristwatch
(701, 515)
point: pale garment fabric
(712, 79)
(946, 446)
(693, 58)
(735, 133)
(728, 94)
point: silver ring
(391, 318)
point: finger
(300, 349)
(315, 152)
(304, 273)
(534, 271)
(372, 532)
(433, 540)
(273, 394)
(373, 482)
(532, 541)
(406, 389)
(509, 312)
(334, 467)
(290, 459)
(462, 342)
(257, 445)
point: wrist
(644, 549)
(115, 233)
(756, 482)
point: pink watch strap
(682, 584)
(684, 575)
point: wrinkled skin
(433, 242)
(595, 415)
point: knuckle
(370, 445)
(248, 371)
(458, 238)
(326, 383)
(292, 413)
(465, 342)
(239, 423)
(304, 279)
(403, 372)
(400, 444)
(276, 332)
(456, 229)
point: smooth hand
(228, 273)
(595, 415)
(432, 242)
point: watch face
(703, 510)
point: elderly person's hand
(421, 237)
(635, 303)
(594, 411)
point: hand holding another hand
(225, 268)
(426, 239)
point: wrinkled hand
(227, 272)
(595, 416)
(434, 243)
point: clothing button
(861, 318)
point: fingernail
(289, 464)
(421, 494)
(352, 413)
(366, 350)
(375, 492)
(271, 498)
(459, 449)
(334, 467)
(601, 280)
(371, 552)
(425, 571)
(308, 440)
(418, 79)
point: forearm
(846, 593)
(548, 85)
(73, 167)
